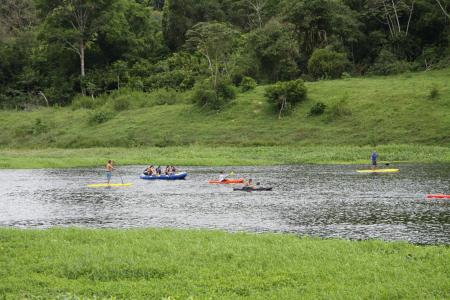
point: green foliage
(100, 116)
(434, 93)
(320, 23)
(378, 104)
(317, 109)
(326, 63)
(285, 95)
(39, 127)
(272, 52)
(83, 102)
(205, 96)
(339, 109)
(167, 97)
(247, 84)
(121, 103)
(387, 64)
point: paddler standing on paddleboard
(374, 158)
(109, 169)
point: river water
(317, 200)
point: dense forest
(51, 50)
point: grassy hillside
(361, 111)
(174, 264)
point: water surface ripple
(317, 200)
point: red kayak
(438, 196)
(227, 181)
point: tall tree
(215, 41)
(74, 23)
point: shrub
(388, 64)
(248, 84)
(284, 95)
(339, 109)
(83, 102)
(205, 95)
(166, 97)
(326, 63)
(317, 109)
(39, 127)
(121, 103)
(434, 93)
(100, 116)
(225, 91)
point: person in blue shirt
(374, 158)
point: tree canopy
(51, 50)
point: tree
(320, 23)
(215, 41)
(74, 23)
(284, 95)
(16, 16)
(274, 50)
(257, 6)
(326, 63)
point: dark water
(325, 201)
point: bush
(286, 94)
(339, 109)
(434, 93)
(388, 64)
(325, 63)
(248, 84)
(166, 97)
(317, 109)
(205, 96)
(99, 117)
(83, 102)
(121, 103)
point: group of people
(152, 171)
(170, 170)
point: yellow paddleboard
(378, 171)
(97, 185)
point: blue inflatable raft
(164, 177)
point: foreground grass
(157, 264)
(219, 156)
(360, 111)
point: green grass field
(361, 111)
(173, 264)
(219, 156)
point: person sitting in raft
(109, 169)
(158, 171)
(167, 171)
(223, 176)
(172, 170)
(149, 171)
(374, 158)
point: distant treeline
(51, 50)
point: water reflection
(326, 201)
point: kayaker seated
(223, 176)
(249, 184)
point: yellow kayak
(97, 185)
(378, 171)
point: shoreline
(198, 155)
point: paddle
(119, 173)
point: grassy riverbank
(403, 109)
(157, 264)
(219, 156)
